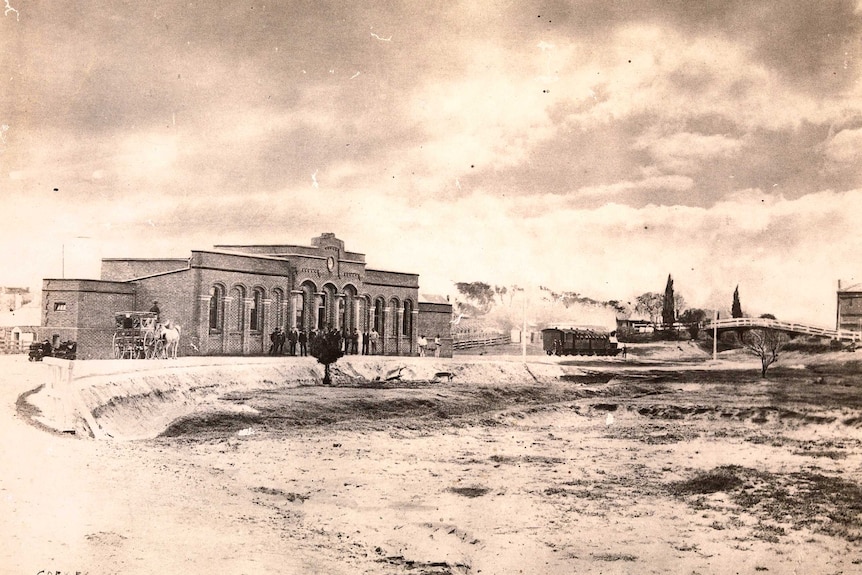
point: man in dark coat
(277, 339)
(292, 338)
(303, 341)
(354, 341)
(155, 309)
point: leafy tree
(668, 316)
(618, 306)
(650, 304)
(326, 347)
(693, 315)
(767, 316)
(693, 318)
(736, 308)
(480, 294)
(764, 343)
(501, 291)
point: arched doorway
(306, 307)
(327, 312)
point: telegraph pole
(524, 330)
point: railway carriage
(557, 341)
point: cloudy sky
(592, 145)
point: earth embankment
(138, 399)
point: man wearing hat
(155, 309)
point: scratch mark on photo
(10, 9)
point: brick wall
(434, 319)
(116, 269)
(83, 311)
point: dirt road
(653, 471)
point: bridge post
(715, 335)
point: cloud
(677, 183)
(845, 147)
(601, 144)
(685, 151)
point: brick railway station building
(229, 299)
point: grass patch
(725, 478)
(469, 491)
(825, 504)
(615, 557)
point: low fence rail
(471, 340)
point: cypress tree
(667, 312)
(736, 308)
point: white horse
(168, 340)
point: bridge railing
(739, 322)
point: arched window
(394, 305)
(407, 322)
(216, 321)
(256, 321)
(238, 296)
(278, 307)
(378, 315)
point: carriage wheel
(149, 343)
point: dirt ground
(665, 463)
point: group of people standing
(354, 342)
(293, 337)
(423, 346)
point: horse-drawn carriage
(139, 335)
(136, 335)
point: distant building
(849, 307)
(229, 299)
(630, 325)
(12, 298)
(19, 328)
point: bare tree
(764, 343)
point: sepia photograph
(499, 287)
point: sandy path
(94, 506)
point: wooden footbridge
(793, 329)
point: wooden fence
(471, 339)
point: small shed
(18, 328)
